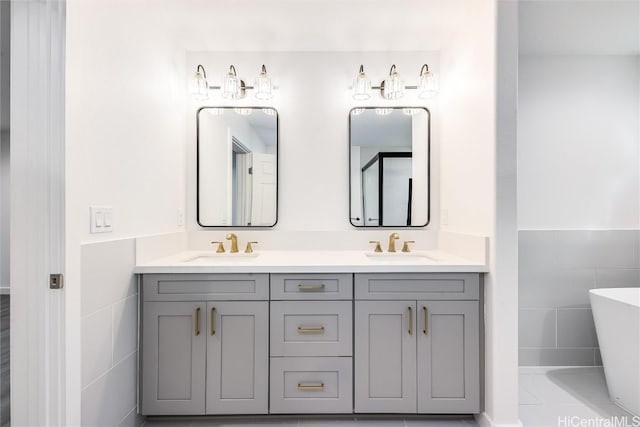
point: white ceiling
(580, 27)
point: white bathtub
(616, 312)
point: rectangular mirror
(389, 167)
(237, 167)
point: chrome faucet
(234, 243)
(392, 242)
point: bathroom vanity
(378, 337)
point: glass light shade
(393, 86)
(243, 111)
(361, 86)
(384, 111)
(263, 86)
(230, 86)
(215, 111)
(410, 111)
(428, 86)
(200, 86)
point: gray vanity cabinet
(173, 365)
(238, 357)
(417, 355)
(448, 357)
(385, 357)
(205, 341)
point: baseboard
(485, 420)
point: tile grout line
(108, 305)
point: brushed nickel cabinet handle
(197, 322)
(213, 320)
(303, 287)
(311, 330)
(410, 320)
(426, 320)
(314, 387)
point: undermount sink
(222, 257)
(399, 257)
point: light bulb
(269, 111)
(410, 111)
(357, 111)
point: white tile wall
(97, 354)
(556, 270)
(109, 334)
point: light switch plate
(101, 219)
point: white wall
(579, 142)
(124, 140)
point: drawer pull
(410, 320)
(311, 330)
(311, 387)
(306, 288)
(197, 322)
(213, 320)
(426, 320)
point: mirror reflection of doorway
(241, 183)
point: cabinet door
(173, 358)
(448, 357)
(385, 356)
(237, 357)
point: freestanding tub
(616, 312)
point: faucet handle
(405, 247)
(220, 247)
(249, 248)
(378, 247)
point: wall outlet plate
(101, 219)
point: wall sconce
(393, 86)
(232, 87)
(361, 86)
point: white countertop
(311, 262)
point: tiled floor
(308, 422)
(550, 395)
(547, 396)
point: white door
(237, 357)
(263, 197)
(39, 364)
(385, 356)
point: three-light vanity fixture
(232, 87)
(393, 87)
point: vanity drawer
(311, 328)
(311, 286)
(418, 286)
(302, 385)
(198, 287)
